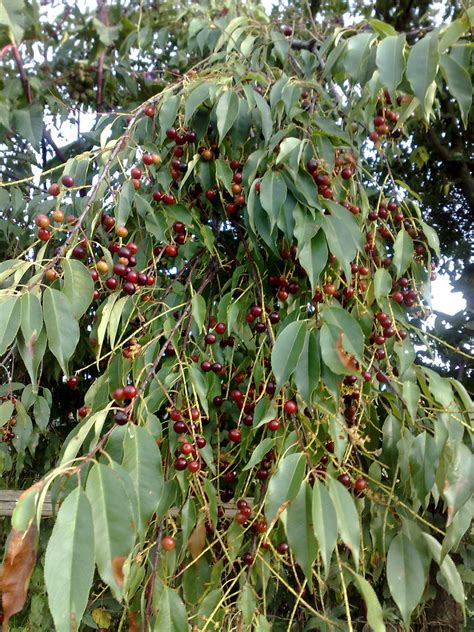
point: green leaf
(265, 410)
(194, 100)
(431, 237)
(168, 113)
(353, 336)
(224, 174)
(31, 318)
(265, 115)
(281, 46)
(343, 235)
(61, 327)
(12, 15)
(247, 603)
(171, 615)
(124, 206)
(308, 367)
(324, 523)
(411, 395)
(459, 83)
(227, 111)
(32, 355)
(10, 315)
(423, 463)
(405, 575)
(357, 54)
(422, 66)
(382, 28)
(259, 452)
(198, 378)
(198, 308)
(402, 252)
(273, 193)
(69, 562)
(459, 482)
(382, 283)
(313, 257)
(374, 609)
(41, 413)
(448, 570)
(113, 524)
(288, 147)
(284, 485)
(142, 460)
(299, 531)
(78, 286)
(287, 349)
(347, 517)
(390, 61)
(6, 410)
(29, 123)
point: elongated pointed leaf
(61, 326)
(422, 66)
(171, 612)
(10, 313)
(459, 83)
(142, 460)
(69, 562)
(347, 517)
(273, 193)
(390, 61)
(78, 286)
(374, 609)
(287, 350)
(313, 257)
(284, 485)
(324, 523)
(308, 367)
(226, 112)
(382, 283)
(448, 570)
(459, 483)
(114, 528)
(402, 252)
(299, 531)
(405, 575)
(31, 318)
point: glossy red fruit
(118, 394)
(171, 133)
(111, 283)
(171, 250)
(168, 543)
(121, 418)
(73, 381)
(194, 466)
(180, 464)
(360, 484)
(67, 181)
(290, 407)
(44, 234)
(344, 479)
(83, 411)
(220, 328)
(235, 435)
(130, 391)
(273, 425)
(282, 548)
(54, 189)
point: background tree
(210, 306)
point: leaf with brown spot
(117, 569)
(346, 359)
(197, 540)
(19, 562)
(132, 622)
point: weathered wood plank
(9, 498)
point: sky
(444, 299)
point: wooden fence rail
(9, 497)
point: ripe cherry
(54, 189)
(290, 407)
(44, 234)
(168, 543)
(73, 381)
(121, 418)
(234, 435)
(282, 548)
(220, 328)
(67, 181)
(130, 391)
(180, 464)
(42, 220)
(273, 425)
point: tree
(209, 320)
